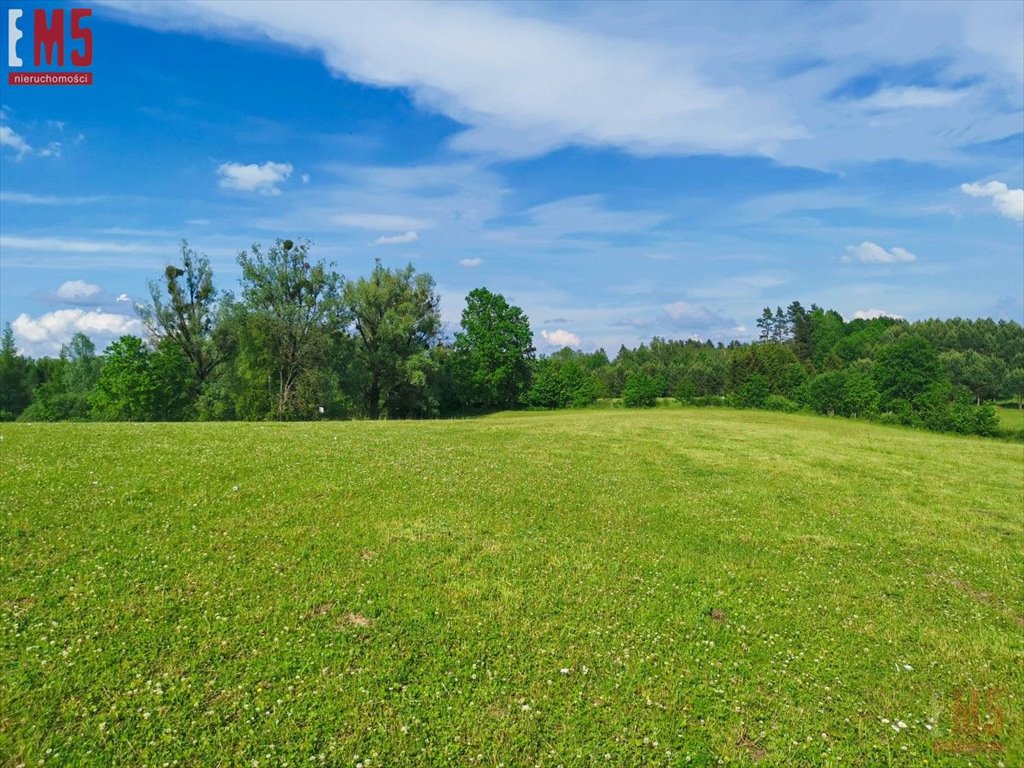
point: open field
(620, 588)
(1011, 419)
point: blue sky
(618, 170)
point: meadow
(603, 587)
(1011, 421)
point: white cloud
(304, 178)
(560, 339)
(408, 237)
(871, 314)
(912, 96)
(14, 140)
(53, 149)
(64, 245)
(198, 222)
(526, 78)
(873, 253)
(1009, 202)
(8, 138)
(74, 290)
(123, 298)
(45, 334)
(254, 178)
(476, 261)
(27, 198)
(380, 221)
(467, 61)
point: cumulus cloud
(8, 138)
(476, 261)
(254, 178)
(75, 290)
(408, 237)
(45, 334)
(560, 338)
(871, 314)
(123, 298)
(873, 253)
(1009, 202)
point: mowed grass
(615, 588)
(1011, 419)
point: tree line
(299, 341)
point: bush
(843, 393)
(561, 383)
(641, 391)
(685, 392)
(780, 403)
(754, 392)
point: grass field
(614, 588)
(1011, 419)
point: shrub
(685, 392)
(780, 403)
(754, 392)
(641, 391)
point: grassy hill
(617, 588)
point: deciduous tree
(395, 314)
(495, 348)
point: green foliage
(780, 403)
(776, 364)
(642, 390)
(906, 370)
(298, 344)
(754, 391)
(1014, 385)
(140, 384)
(286, 325)
(185, 316)
(15, 393)
(707, 375)
(126, 388)
(842, 393)
(983, 375)
(562, 381)
(495, 348)
(396, 318)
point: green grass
(1010, 419)
(615, 588)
